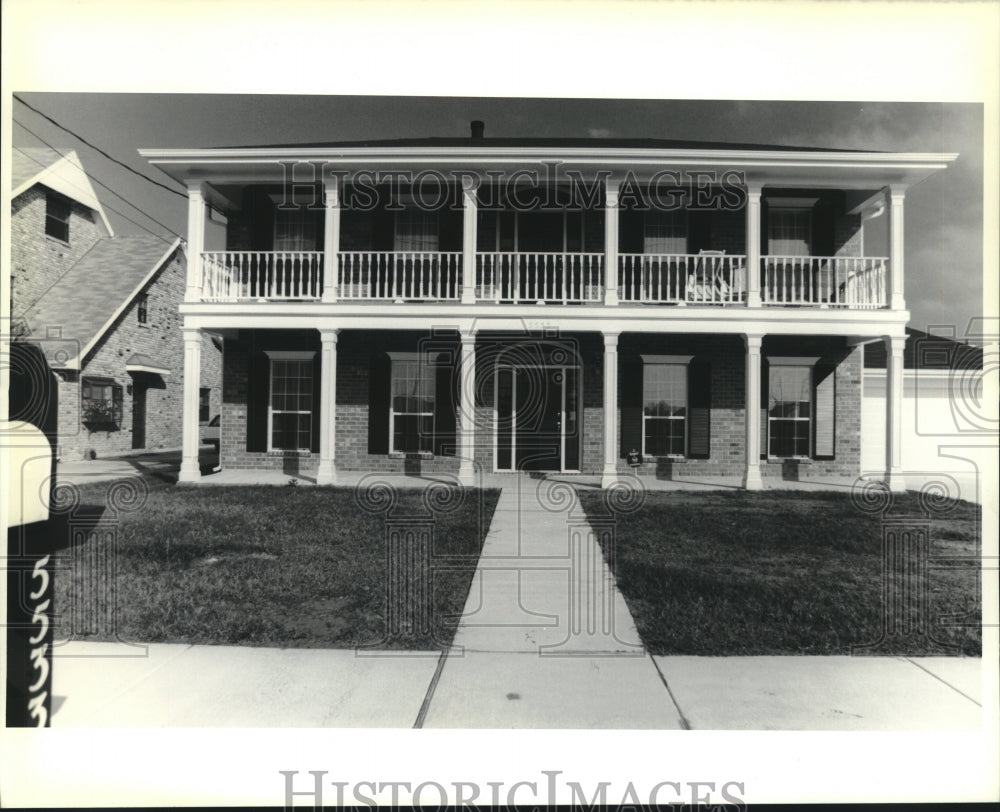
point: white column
(894, 413)
(190, 470)
(896, 195)
(327, 472)
(467, 409)
(470, 208)
(195, 240)
(331, 239)
(609, 476)
(611, 242)
(751, 478)
(753, 244)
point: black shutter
(450, 227)
(631, 408)
(445, 398)
(261, 211)
(824, 428)
(765, 379)
(317, 386)
(378, 404)
(630, 232)
(764, 216)
(823, 227)
(258, 384)
(383, 223)
(699, 231)
(699, 406)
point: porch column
(327, 472)
(611, 242)
(467, 409)
(896, 194)
(751, 479)
(609, 476)
(331, 239)
(470, 209)
(753, 244)
(190, 470)
(195, 240)
(894, 413)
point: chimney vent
(478, 127)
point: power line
(105, 186)
(93, 146)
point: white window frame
(801, 363)
(424, 367)
(675, 221)
(418, 240)
(788, 206)
(682, 362)
(286, 355)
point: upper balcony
(505, 225)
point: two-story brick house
(486, 305)
(103, 308)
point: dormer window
(57, 210)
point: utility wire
(105, 186)
(93, 146)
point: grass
(274, 566)
(737, 573)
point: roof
(62, 173)
(927, 352)
(140, 362)
(81, 303)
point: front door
(138, 416)
(537, 411)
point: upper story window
(57, 209)
(416, 230)
(142, 308)
(296, 229)
(789, 231)
(665, 232)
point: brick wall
(38, 260)
(161, 339)
(724, 354)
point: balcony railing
(564, 278)
(231, 276)
(515, 277)
(851, 282)
(682, 278)
(409, 276)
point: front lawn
(731, 573)
(274, 566)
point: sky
(943, 214)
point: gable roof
(927, 351)
(91, 295)
(61, 173)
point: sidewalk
(546, 641)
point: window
(57, 210)
(142, 308)
(665, 233)
(416, 230)
(664, 405)
(411, 407)
(296, 229)
(290, 409)
(204, 404)
(789, 411)
(101, 402)
(789, 232)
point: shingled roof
(88, 298)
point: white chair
(706, 284)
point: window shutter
(450, 224)
(630, 225)
(823, 216)
(317, 386)
(261, 220)
(383, 223)
(699, 409)
(258, 374)
(445, 398)
(824, 381)
(764, 217)
(699, 235)
(631, 408)
(378, 404)
(765, 379)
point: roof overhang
(844, 170)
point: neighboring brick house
(473, 305)
(104, 311)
